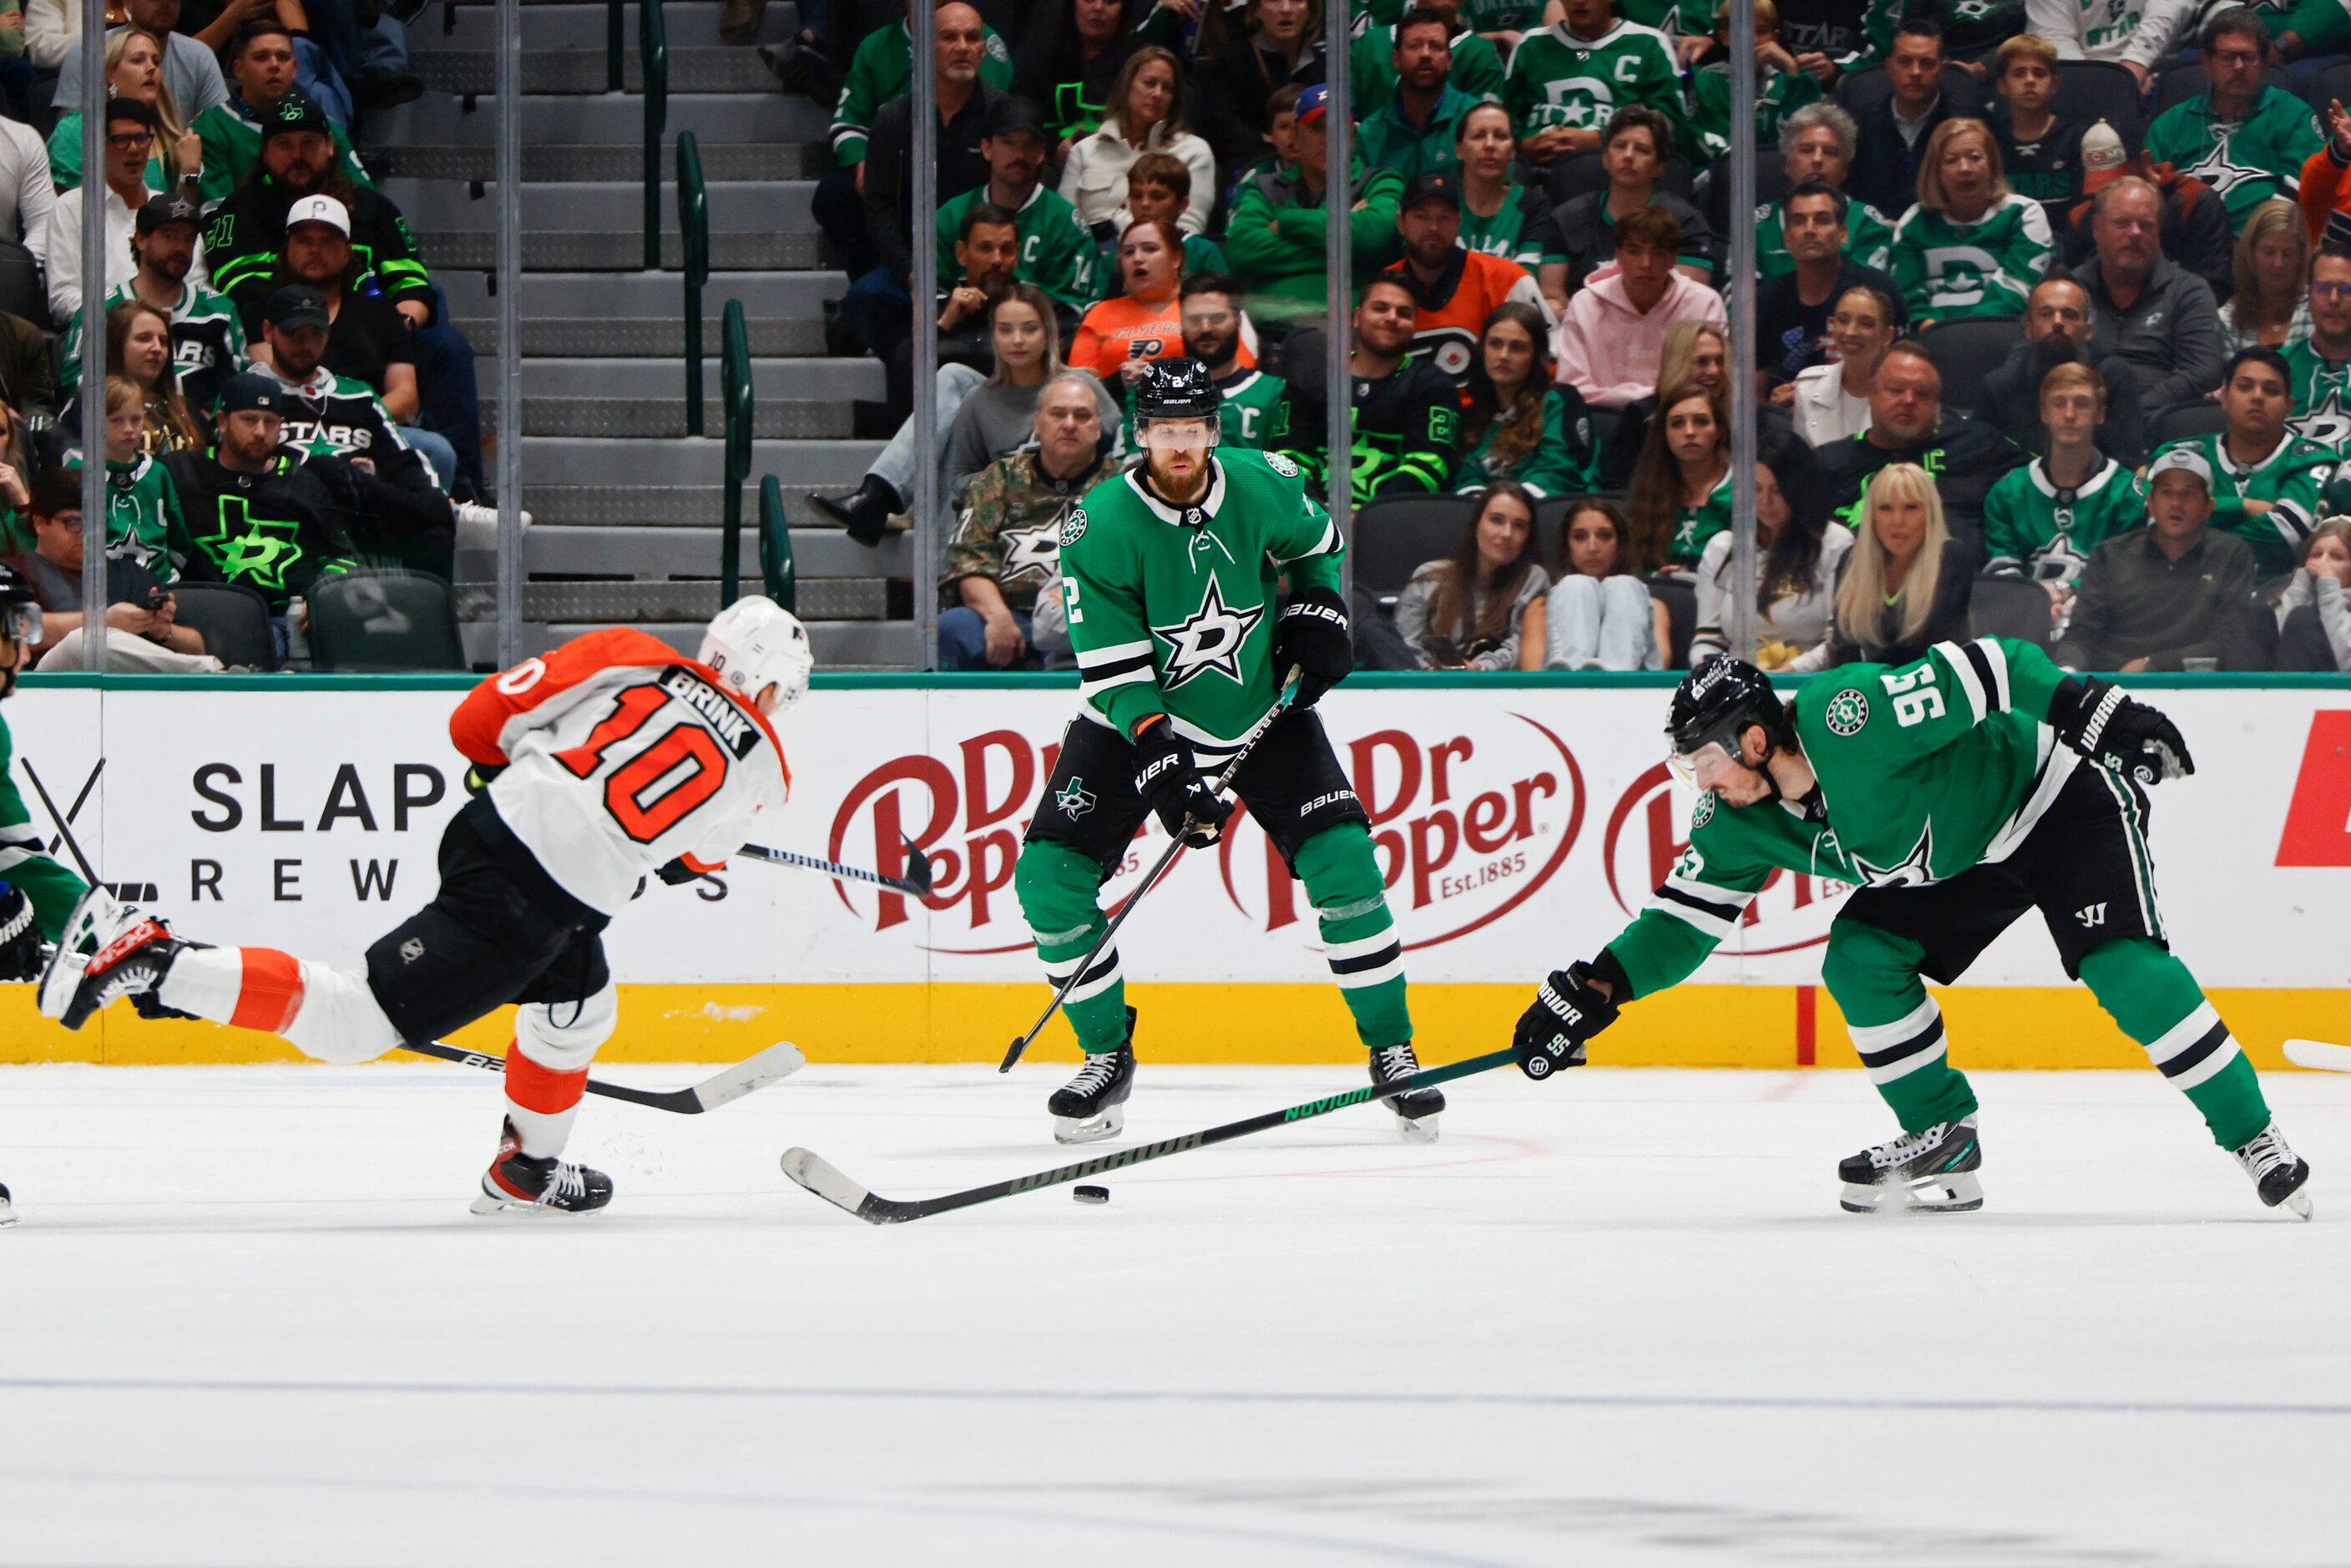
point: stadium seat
(2181, 83)
(1714, 191)
(1857, 92)
(383, 621)
(1967, 351)
(1579, 174)
(233, 620)
(2332, 83)
(2010, 607)
(1397, 536)
(22, 292)
(2181, 420)
(2092, 90)
(1680, 600)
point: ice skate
(7, 1214)
(1092, 1105)
(131, 962)
(1416, 1111)
(1931, 1172)
(2278, 1173)
(517, 1183)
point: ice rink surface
(1618, 1319)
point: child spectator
(1633, 150)
(1680, 495)
(1501, 217)
(1614, 331)
(1516, 424)
(1971, 246)
(2040, 150)
(1831, 402)
(2270, 305)
(1468, 610)
(1781, 87)
(1905, 583)
(1597, 616)
(1797, 558)
(142, 508)
(1119, 336)
(1147, 116)
(2315, 614)
(1567, 78)
(1158, 188)
(2043, 520)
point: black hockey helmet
(1717, 700)
(1176, 389)
(20, 619)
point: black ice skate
(1092, 1105)
(515, 1181)
(1931, 1172)
(7, 1214)
(133, 962)
(1416, 1111)
(2278, 1172)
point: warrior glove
(2095, 719)
(1567, 1012)
(1168, 779)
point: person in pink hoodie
(1614, 331)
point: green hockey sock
(1359, 936)
(2156, 1001)
(1061, 893)
(1896, 1025)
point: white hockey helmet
(755, 643)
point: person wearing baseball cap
(207, 340)
(1413, 129)
(1057, 254)
(2176, 590)
(1277, 236)
(1457, 289)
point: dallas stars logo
(1910, 871)
(1074, 799)
(253, 549)
(1033, 551)
(1210, 638)
(1847, 712)
(2219, 171)
(2326, 420)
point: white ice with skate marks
(1616, 1319)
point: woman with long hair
(1905, 583)
(1598, 615)
(1798, 555)
(1121, 335)
(1070, 52)
(1516, 422)
(1145, 115)
(1695, 351)
(1831, 402)
(2271, 306)
(1468, 610)
(138, 347)
(1971, 246)
(2314, 615)
(134, 68)
(999, 416)
(1680, 495)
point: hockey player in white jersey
(610, 759)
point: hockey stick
(2318, 1053)
(917, 880)
(1061, 991)
(778, 1061)
(811, 1171)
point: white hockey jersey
(621, 756)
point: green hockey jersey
(2259, 157)
(1562, 463)
(1558, 78)
(1257, 411)
(1517, 232)
(207, 342)
(143, 521)
(1477, 72)
(1868, 239)
(1949, 271)
(1783, 93)
(1927, 769)
(883, 69)
(2289, 480)
(1056, 251)
(52, 889)
(2035, 530)
(1171, 608)
(1700, 522)
(2321, 389)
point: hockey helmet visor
(20, 612)
(1178, 432)
(1712, 708)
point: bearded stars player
(1957, 792)
(613, 758)
(1169, 574)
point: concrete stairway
(626, 507)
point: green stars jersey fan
(1694, 526)
(1927, 769)
(2286, 485)
(2246, 162)
(2036, 528)
(1868, 239)
(2321, 387)
(1257, 411)
(1171, 608)
(1949, 271)
(1557, 78)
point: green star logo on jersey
(1847, 712)
(1210, 638)
(253, 549)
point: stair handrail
(694, 237)
(653, 49)
(735, 390)
(615, 47)
(776, 568)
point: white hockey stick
(2318, 1053)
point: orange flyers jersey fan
(620, 755)
(1453, 310)
(1123, 328)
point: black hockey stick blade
(780, 1061)
(812, 1171)
(918, 870)
(917, 880)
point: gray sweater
(1419, 597)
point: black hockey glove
(478, 777)
(2097, 720)
(1169, 780)
(677, 873)
(21, 956)
(1567, 1012)
(1312, 638)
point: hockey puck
(1091, 1193)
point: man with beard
(2319, 366)
(208, 343)
(1405, 413)
(2057, 331)
(325, 412)
(1453, 289)
(1255, 405)
(262, 69)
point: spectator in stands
(1681, 489)
(1816, 147)
(261, 66)
(1517, 423)
(2321, 187)
(1797, 560)
(2194, 231)
(28, 194)
(1830, 403)
(2056, 332)
(134, 68)
(1793, 311)
(2176, 589)
(17, 461)
(1145, 322)
(1413, 128)
(969, 113)
(17, 73)
(2270, 480)
(208, 341)
(2040, 150)
(2270, 305)
(1895, 133)
(2140, 40)
(189, 67)
(1567, 79)
(142, 505)
(27, 385)
(2318, 366)
(1070, 54)
(1378, 63)
(2152, 315)
(130, 137)
(1781, 87)
(1633, 150)
(1695, 351)
(1057, 252)
(324, 411)
(1501, 217)
(1905, 584)
(245, 511)
(2043, 520)
(1008, 544)
(1455, 289)
(1405, 412)
(1598, 615)
(1907, 424)
(2313, 615)
(1279, 45)
(1215, 333)
(1468, 612)
(1609, 341)
(2243, 137)
(142, 629)
(1971, 246)
(999, 414)
(1278, 233)
(1158, 188)
(1147, 117)
(139, 349)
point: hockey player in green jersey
(1169, 574)
(1956, 792)
(2266, 480)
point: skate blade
(492, 1204)
(1961, 1194)
(1421, 1130)
(1076, 1130)
(2298, 1205)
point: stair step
(606, 119)
(743, 162)
(608, 205)
(689, 599)
(825, 465)
(612, 549)
(559, 251)
(664, 419)
(584, 506)
(587, 337)
(570, 23)
(783, 382)
(716, 68)
(648, 295)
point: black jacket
(245, 236)
(2131, 602)
(2009, 400)
(2196, 232)
(1885, 167)
(890, 169)
(1965, 457)
(2048, 171)
(2167, 346)
(1945, 623)
(279, 531)
(1406, 425)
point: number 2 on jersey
(645, 820)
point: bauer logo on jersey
(1847, 712)
(1209, 638)
(1075, 529)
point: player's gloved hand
(1312, 638)
(2094, 719)
(677, 873)
(478, 777)
(1567, 1012)
(21, 954)
(1168, 779)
